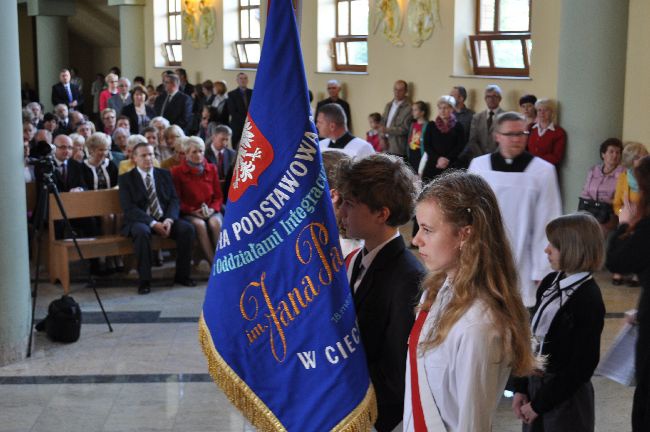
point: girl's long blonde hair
(486, 269)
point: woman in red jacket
(547, 140)
(197, 186)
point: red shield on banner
(253, 158)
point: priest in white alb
(529, 197)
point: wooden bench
(31, 192)
(31, 195)
(89, 204)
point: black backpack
(63, 320)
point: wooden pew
(89, 204)
(31, 192)
(31, 195)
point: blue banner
(278, 326)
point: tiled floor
(150, 374)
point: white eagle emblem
(246, 157)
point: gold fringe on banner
(235, 388)
(244, 399)
(363, 417)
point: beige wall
(429, 69)
(637, 87)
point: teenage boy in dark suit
(378, 194)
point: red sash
(416, 403)
(348, 258)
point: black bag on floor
(63, 320)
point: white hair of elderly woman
(193, 141)
(135, 140)
(162, 120)
(448, 100)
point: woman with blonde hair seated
(472, 328)
(171, 150)
(626, 185)
(177, 157)
(160, 124)
(199, 192)
(99, 173)
(627, 188)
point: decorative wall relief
(199, 22)
(388, 15)
(421, 17)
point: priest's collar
(516, 164)
(341, 141)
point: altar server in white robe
(529, 197)
(472, 328)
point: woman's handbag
(602, 211)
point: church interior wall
(431, 70)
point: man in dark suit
(67, 177)
(222, 157)
(63, 125)
(333, 90)
(150, 205)
(384, 275)
(173, 104)
(68, 172)
(66, 92)
(238, 102)
(184, 85)
(37, 110)
(75, 118)
(481, 135)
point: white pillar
(131, 36)
(14, 261)
(591, 84)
